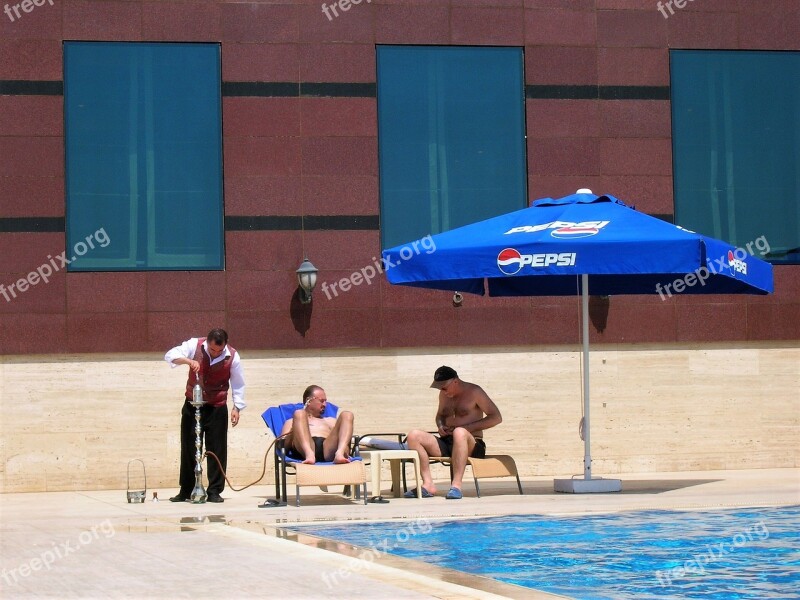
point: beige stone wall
(74, 422)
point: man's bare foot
(311, 458)
(340, 459)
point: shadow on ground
(545, 488)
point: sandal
(413, 493)
(454, 494)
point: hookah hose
(263, 470)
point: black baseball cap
(442, 375)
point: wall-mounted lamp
(307, 279)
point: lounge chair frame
(493, 465)
(319, 474)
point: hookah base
(198, 496)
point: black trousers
(214, 428)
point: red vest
(214, 379)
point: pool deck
(96, 545)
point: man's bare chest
(318, 426)
(461, 408)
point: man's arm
(441, 428)
(492, 414)
(183, 355)
(237, 383)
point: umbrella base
(587, 486)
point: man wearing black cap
(464, 412)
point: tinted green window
(736, 138)
(144, 155)
(451, 137)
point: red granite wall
(314, 154)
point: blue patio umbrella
(578, 245)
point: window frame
(726, 162)
(441, 207)
(143, 253)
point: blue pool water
(744, 553)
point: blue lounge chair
(319, 474)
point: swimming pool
(741, 553)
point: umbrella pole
(587, 453)
(587, 484)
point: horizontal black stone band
(14, 87)
(339, 90)
(282, 89)
(32, 224)
(288, 89)
(597, 92)
(634, 92)
(232, 223)
(276, 89)
(309, 223)
(237, 223)
(242, 223)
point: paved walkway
(96, 545)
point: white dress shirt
(187, 350)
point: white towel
(380, 444)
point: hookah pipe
(263, 470)
(266, 455)
(197, 401)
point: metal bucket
(136, 496)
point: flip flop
(413, 493)
(454, 494)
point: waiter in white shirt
(218, 368)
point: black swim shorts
(319, 452)
(446, 447)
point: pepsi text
(735, 261)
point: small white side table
(376, 457)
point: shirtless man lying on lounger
(464, 412)
(313, 438)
